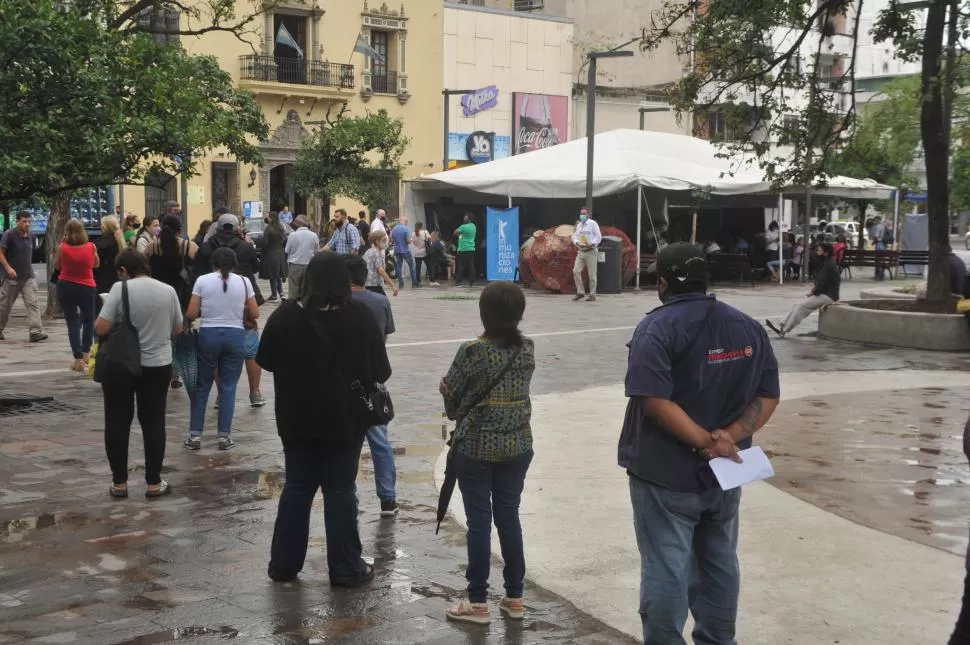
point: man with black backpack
(701, 380)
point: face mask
(661, 291)
(583, 218)
(156, 230)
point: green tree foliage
(351, 157)
(92, 97)
(85, 105)
(749, 54)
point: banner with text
(502, 242)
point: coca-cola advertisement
(538, 121)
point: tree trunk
(56, 224)
(935, 148)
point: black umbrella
(447, 487)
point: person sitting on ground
(381, 452)
(486, 391)
(315, 349)
(825, 292)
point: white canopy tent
(627, 160)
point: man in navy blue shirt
(701, 379)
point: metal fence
(384, 83)
(296, 71)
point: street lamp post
(591, 115)
(447, 94)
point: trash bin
(609, 265)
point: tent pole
(639, 225)
(781, 245)
(510, 201)
(896, 220)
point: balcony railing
(296, 71)
(385, 83)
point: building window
(392, 187)
(162, 23)
(383, 79)
(225, 186)
(290, 48)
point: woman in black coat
(315, 349)
(273, 265)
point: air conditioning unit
(527, 5)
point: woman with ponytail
(486, 392)
(226, 304)
(171, 259)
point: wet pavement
(890, 460)
(78, 567)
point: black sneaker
(774, 328)
(2, 337)
(38, 336)
(388, 508)
(226, 443)
(192, 443)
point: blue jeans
(308, 469)
(222, 348)
(493, 488)
(381, 453)
(400, 259)
(688, 559)
(77, 302)
(880, 269)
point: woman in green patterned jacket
(487, 392)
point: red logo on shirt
(720, 355)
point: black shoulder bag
(119, 355)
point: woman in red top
(76, 290)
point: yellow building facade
(300, 64)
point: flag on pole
(363, 47)
(283, 37)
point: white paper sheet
(731, 474)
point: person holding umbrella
(487, 392)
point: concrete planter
(886, 294)
(940, 332)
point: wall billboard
(538, 121)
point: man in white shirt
(379, 223)
(586, 239)
(301, 245)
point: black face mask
(265, 220)
(662, 292)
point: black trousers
(961, 633)
(427, 263)
(465, 267)
(308, 469)
(151, 391)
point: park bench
(724, 266)
(867, 258)
(913, 258)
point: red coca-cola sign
(538, 121)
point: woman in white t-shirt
(226, 303)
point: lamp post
(657, 108)
(447, 94)
(591, 114)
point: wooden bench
(913, 258)
(866, 258)
(730, 265)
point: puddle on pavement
(181, 633)
(891, 460)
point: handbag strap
(491, 386)
(126, 307)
